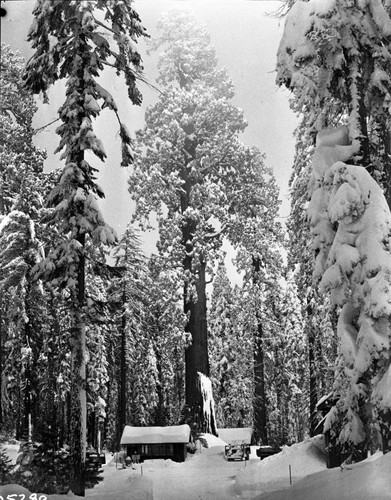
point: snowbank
(272, 473)
(134, 487)
(370, 479)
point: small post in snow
(290, 475)
(141, 470)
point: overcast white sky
(246, 41)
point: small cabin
(156, 442)
(236, 435)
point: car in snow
(266, 451)
(237, 452)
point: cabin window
(156, 450)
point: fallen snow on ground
(367, 480)
(207, 475)
(276, 472)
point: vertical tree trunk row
(260, 402)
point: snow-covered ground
(207, 475)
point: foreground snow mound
(133, 488)
(272, 473)
(370, 479)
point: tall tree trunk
(259, 401)
(123, 375)
(357, 109)
(27, 424)
(385, 430)
(91, 429)
(196, 355)
(385, 416)
(312, 381)
(179, 383)
(161, 411)
(2, 332)
(387, 165)
(312, 369)
(78, 383)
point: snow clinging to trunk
(208, 401)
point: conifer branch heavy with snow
(351, 228)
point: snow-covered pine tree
(129, 291)
(229, 344)
(22, 187)
(335, 57)
(30, 339)
(338, 54)
(21, 162)
(351, 227)
(256, 235)
(18, 254)
(54, 373)
(71, 42)
(100, 324)
(152, 340)
(221, 335)
(166, 323)
(316, 318)
(291, 357)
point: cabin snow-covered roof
(156, 435)
(236, 435)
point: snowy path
(204, 476)
(207, 476)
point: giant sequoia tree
(192, 170)
(71, 42)
(182, 158)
